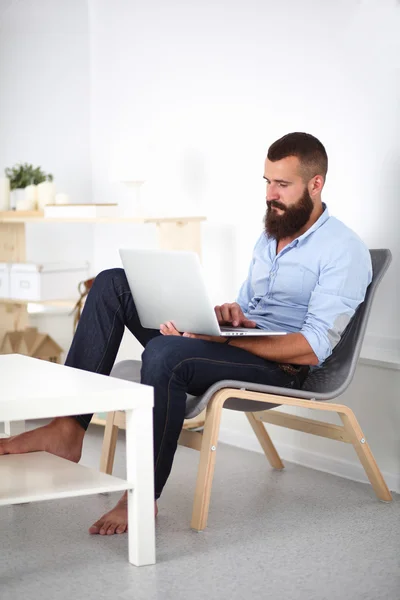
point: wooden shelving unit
(174, 233)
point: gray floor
(293, 535)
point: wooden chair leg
(365, 455)
(350, 432)
(266, 442)
(206, 469)
(109, 445)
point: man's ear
(315, 185)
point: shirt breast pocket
(291, 284)
(296, 285)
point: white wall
(45, 90)
(44, 110)
(202, 89)
(191, 95)
(44, 118)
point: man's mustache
(275, 204)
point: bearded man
(308, 274)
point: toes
(95, 528)
(115, 521)
(108, 528)
(104, 527)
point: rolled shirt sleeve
(343, 280)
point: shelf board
(156, 220)
(41, 476)
(22, 214)
(66, 303)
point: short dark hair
(307, 148)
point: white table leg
(14, 427)
(140, 471)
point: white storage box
(4, 280)
(47, 281)
(80, 211)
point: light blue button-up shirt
(313, 286)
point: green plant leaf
(23, 174)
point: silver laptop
(168, 285)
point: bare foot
(62, 437)
(116, 520)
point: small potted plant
(24, 181)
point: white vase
(16, 197)
(24, 198)
(46, 193)
(4, 193)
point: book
(79, 211)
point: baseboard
(386, 343)
(312, 460)
(379, 351)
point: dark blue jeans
(174, 366)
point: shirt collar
(322, 219)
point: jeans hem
(82, 422)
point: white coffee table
(35, 389)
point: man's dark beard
(292, 219)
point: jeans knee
(161, 356)
(110, 279)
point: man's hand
(227, 314)
(169, 328)
(232, 314)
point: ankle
(123, 501)
(68, 425)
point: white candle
(30, 198)
(46, 194)
(4, 193)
